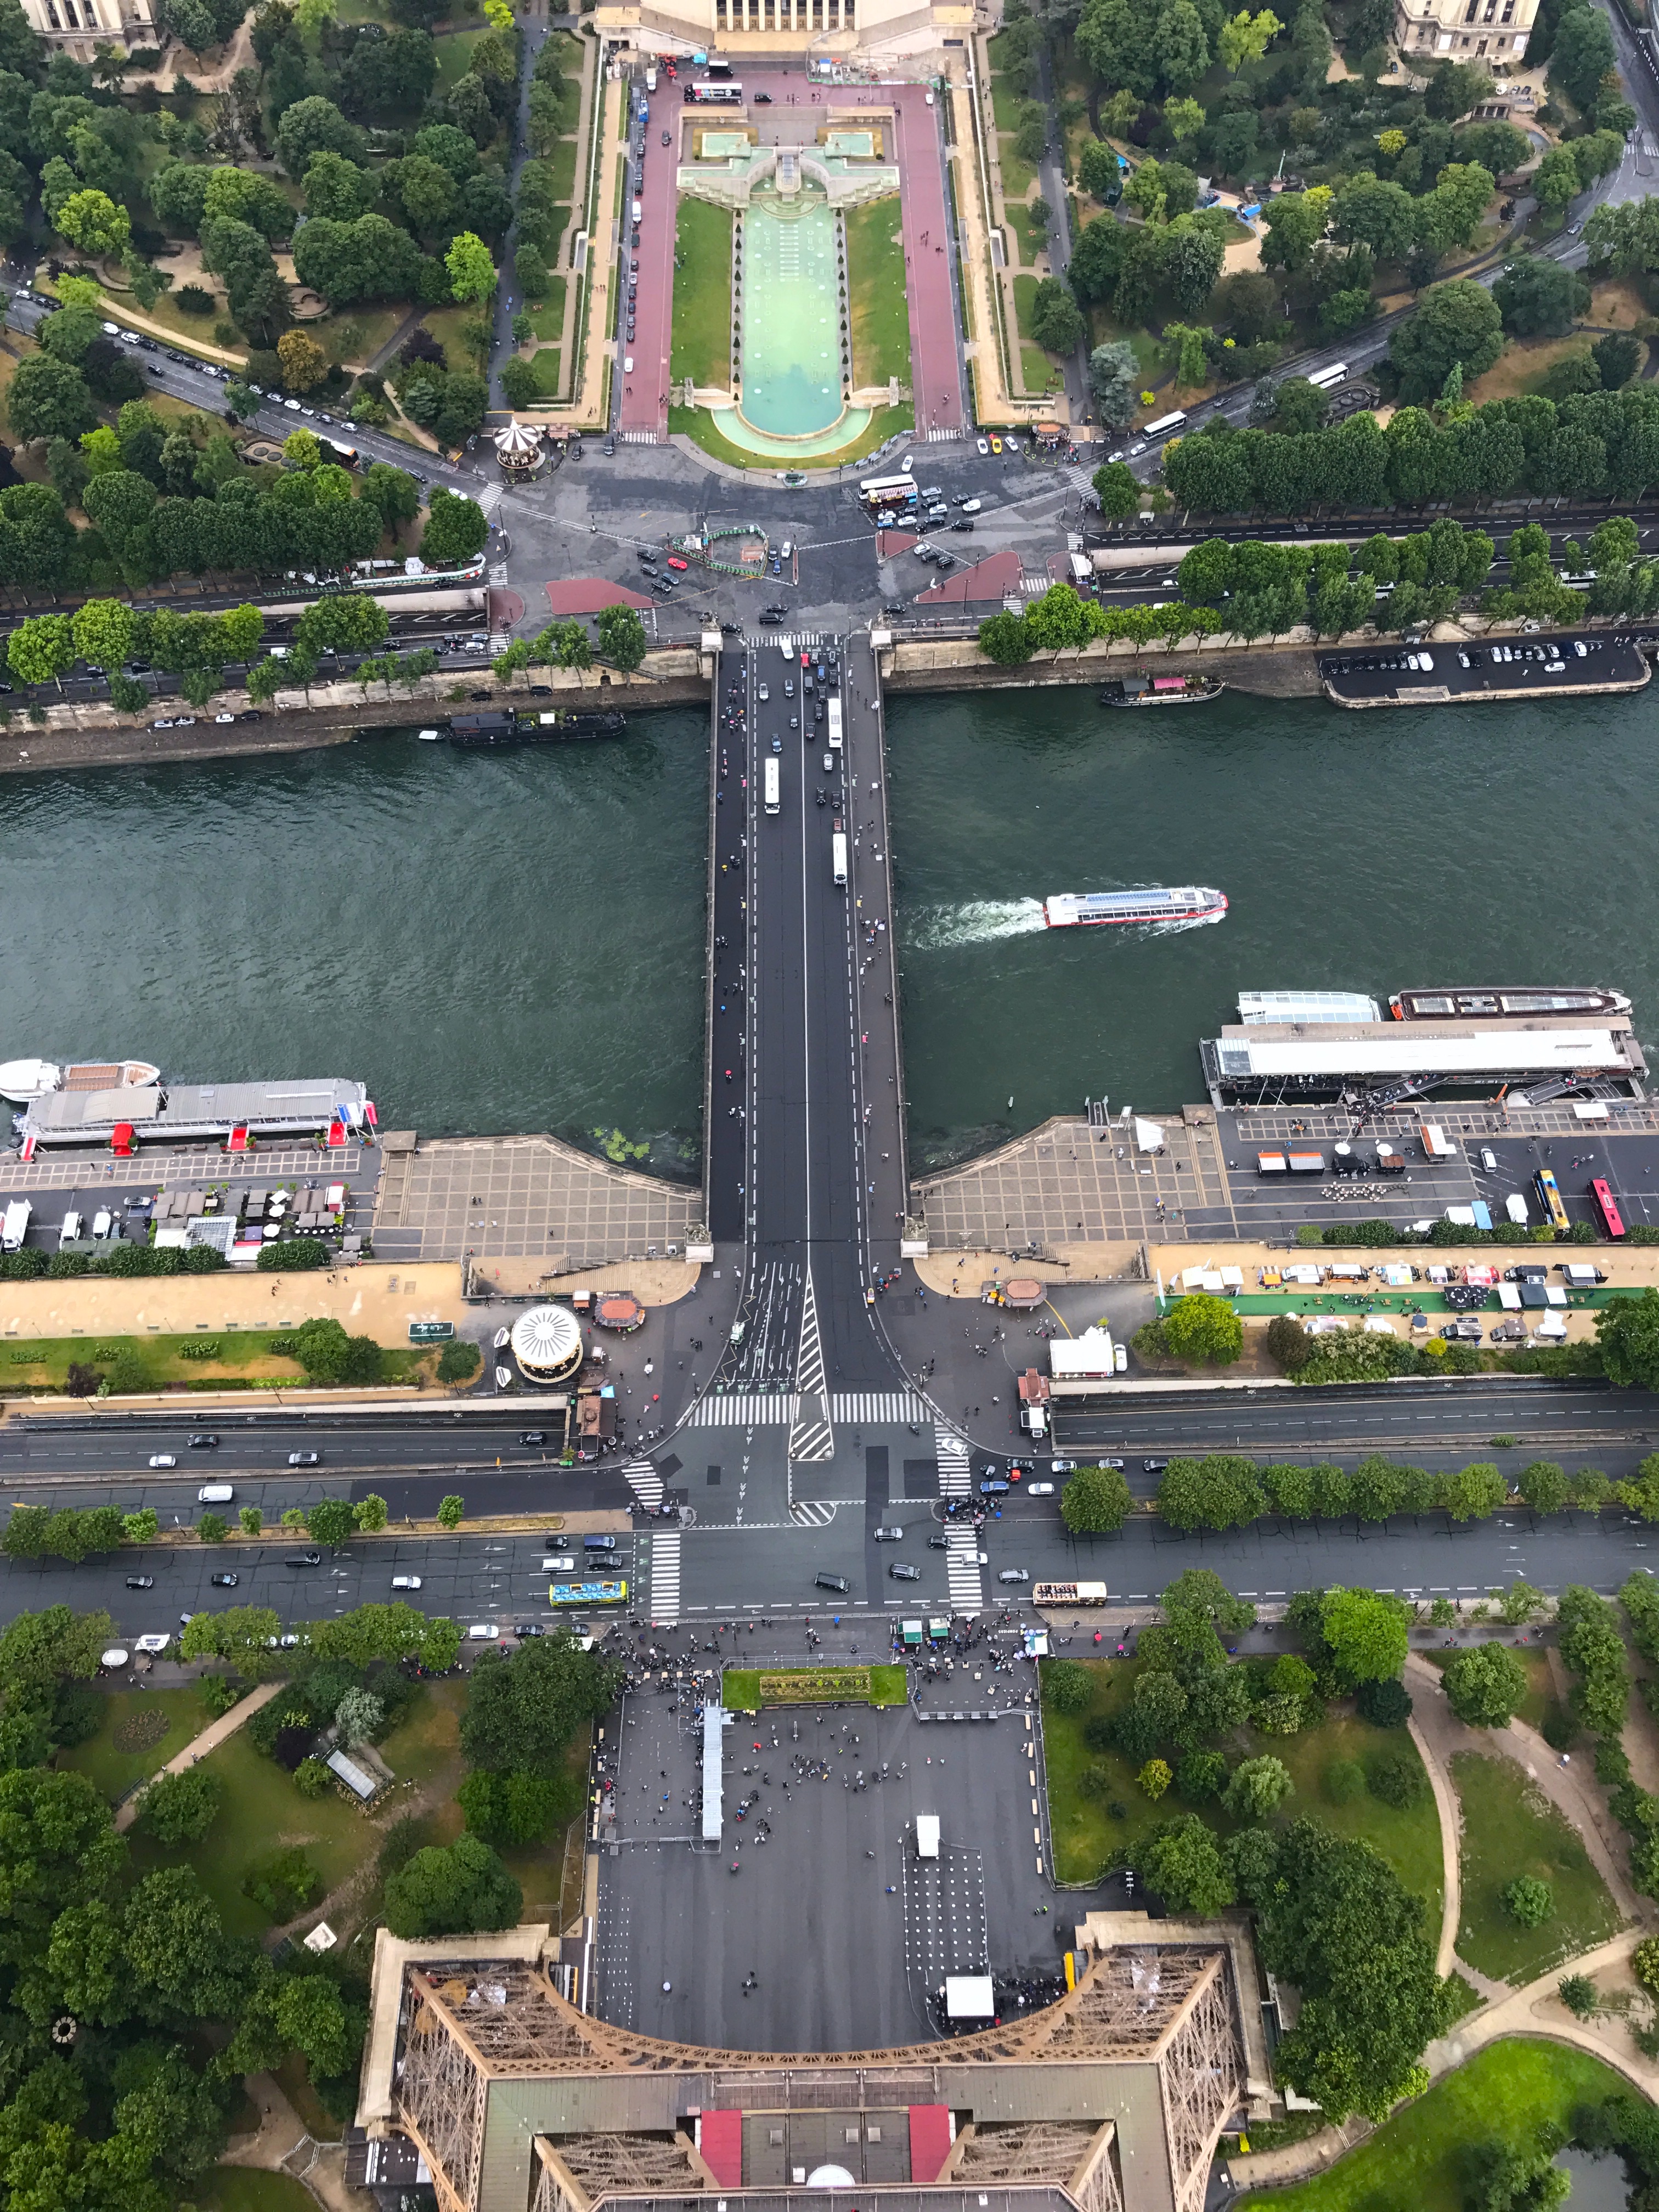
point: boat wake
(936, 929)
(1174, 928)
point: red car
(806, 660)
(675, 561)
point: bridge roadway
(806, 1152)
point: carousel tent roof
(518, 443)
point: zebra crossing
(811, 1434)
(812, 1512)
(643, 437)
(871, 1406)
(791, 640)
(961, 1572)
(953, 1463)
(664, 1580)
(941, 437)
(741, 1410)
(644, 1481)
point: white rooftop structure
(1328, 1055)
(161, 1112)
(547, 1343)
(518, 446)
(970, 1996)
(1085, 1358)
(1255, 1007)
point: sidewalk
(198, 1748)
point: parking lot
(1514, 667)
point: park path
(211, 1737)
(283, 2143)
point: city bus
(1610, 1219)
(705, 94)
(772, 801)
(1322, 380)
(1069, 1594)
(1549, 1197)
(587, 1593)
(1164, 424)
(888, 492)
(835, 725)
(838, 857)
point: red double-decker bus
(1610, 1219)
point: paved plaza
(525, 1198)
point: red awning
(930, 2142)
(720, 2139)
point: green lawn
(548, 321)
(114, 1765)
(1086, 1837)
(740, 1686)
(1025, 299)
(1031, 239)
(1510, 1829)
(879, 306)
(1420, 2157)
(454, 57)
(1018, 175)
(246, 2189)
(1037, 369)
(40, 1362)
(545, 363)
(1005, 95)
(357, 336)
(701, 347)
(563, 161)
(445, 325)
(1103, 331)
(263, 1809)
(698, 424)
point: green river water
(515, 942)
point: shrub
(1345, 1780)
(180, 1809)
(459, 1361)
(219, 1693)
(213, 1529)
(1155, 1779)
(281, 1884)
(1066, 1686)
(1289, 1346)
(1644, 1964)
(1398, 1780)
(1527, 1900)
(193, 300)
(1386, 1704)
(1486, 1685)
(1577, 1993)
(1560, 1729)
(311, 1777)
(1201, 1774)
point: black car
(939, 1543)
(532, 1435)
(481, 695)
(141, 1582)
(769, 617)
(224, 1582)
(762, 99)
(201, 1441)
(530, 1628)
(901, 1573)
(839, 1584)
(965, 523)
(541, 691)
(249, 714)
(304, 1559)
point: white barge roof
(1493, 1048)
(169, 1110)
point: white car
(1488, 1159)
(1039, 1490)
(406, 1581)
(985, 446)
(559, 1565)
(162, 1459)
(764, 692)
(1062, 1466)
(1120, 1360)
(1014, 1575)
(292, 405)
(483, 1632)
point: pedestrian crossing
(962, 1574)
(811, 1434)
(878, 1405)
(641, 437)
(812, 1512)
(953, 1463)
(644, 1481)
(664, 1580)
(791, 640)
(938, 436)
(738, 1410)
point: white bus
(888, 492)
(771, 800)
(716, 96)
(835, 725)
(1164, 424)
(838, 857)
(1322, 379)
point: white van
(483, 1632)
(70, 1230)
(558, 1564)
(102, 1222)
(972, 506)
(215, 1493)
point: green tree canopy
(1206, 1329)
(1486, 1685)
(1365, 1632)
(523, 1708)
(452, 1891)
(1095, 1501)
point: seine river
(514, 942)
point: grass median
(878, 302)
(1510, 1829)
(746, 1689)
(701, 347)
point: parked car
(888, 1536)
(406, 1581)
(1153, 1466)
(141, 1582)
(483, 1632)
(303, 1560)
(1039, 1490)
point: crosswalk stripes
(961, 1572)
(953, 1462)
(812, 1512)
(644, 1481)
(791, 640)
(738, 1410)
(877, 1405)
(812, 1437)
(665, 1580)
(937, 437)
